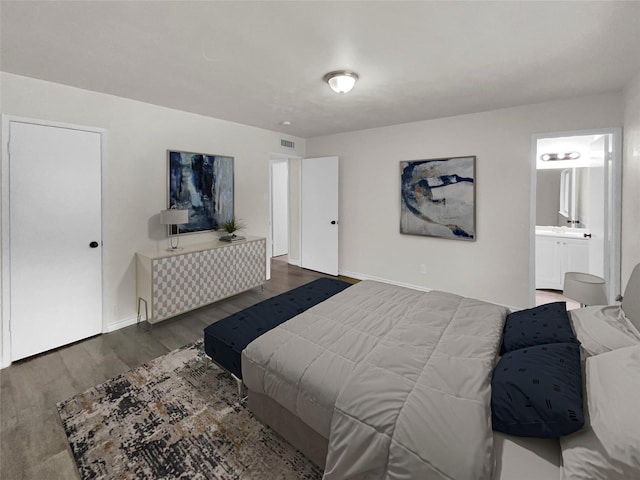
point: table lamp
(174, 216)
(585, 288)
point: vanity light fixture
(551, 157)
(341, 81)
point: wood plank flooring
(33, 444)
(549, 296)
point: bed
(382, 381)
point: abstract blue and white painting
(203, 184)
(438, 197)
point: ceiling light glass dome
(341, 81)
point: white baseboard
(124, 322)
(362, 276)
(294, 261)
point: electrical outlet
(423, 269)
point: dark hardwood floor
(33, 444)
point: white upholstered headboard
(631, 299)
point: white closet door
(55, 215)
(319, 214)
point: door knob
(94, 244)
(333, 222)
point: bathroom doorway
(575, 209)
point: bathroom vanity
(560, 250)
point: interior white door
(55, 236)
(319, 214)
(279, 208)
(597, 200)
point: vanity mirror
(567, 197)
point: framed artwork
(438, 197)
(203, 184)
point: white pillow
(608, 448)
(602, 329)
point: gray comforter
(398, 380)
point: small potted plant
(231, 226)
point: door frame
(613, 215)
(5, 239)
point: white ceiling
(260, 63)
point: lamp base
(174, 249)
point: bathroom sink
(553, 231)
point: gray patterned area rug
(176, 417)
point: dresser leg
(146, 310)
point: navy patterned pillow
(537, 391)
(547, 323)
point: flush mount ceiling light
(341, 81)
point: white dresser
(173, 283)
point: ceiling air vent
(287, 143)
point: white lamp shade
(174, 216)
(341, 81)
(585, 288)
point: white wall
(631, 181)
(136, 187)
(495, 266)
